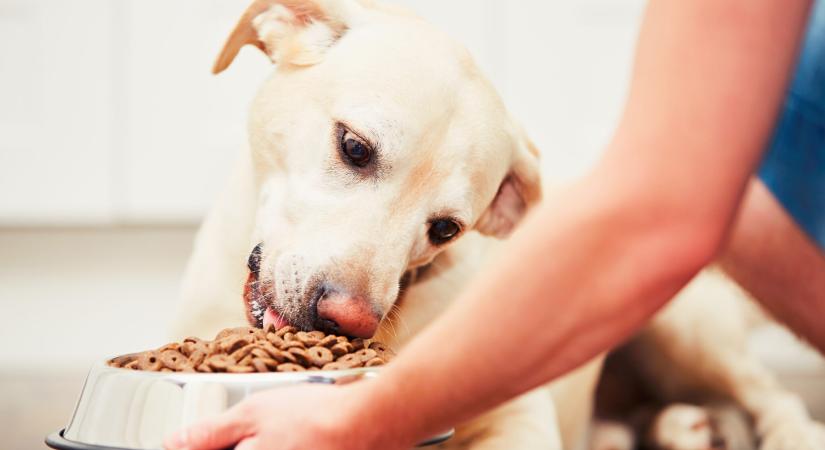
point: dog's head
(375, 145)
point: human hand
(320, 417)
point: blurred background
(115, 138)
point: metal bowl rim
(237, 377)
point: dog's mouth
(259, 312)
(261, 309)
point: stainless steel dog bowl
(128, 409)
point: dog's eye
(443, 230)
(355, 150)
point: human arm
(592, 263)
(773, 259)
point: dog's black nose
(327, 326)
(254, 261)
(320, 323)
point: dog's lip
(259, 312)
(274, 318)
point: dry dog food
(247, 350)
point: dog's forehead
(406, 72)
(412, 93)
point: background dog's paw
(795, 435)
(732, 427)
(683, 427)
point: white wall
(109, 114)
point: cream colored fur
(448, 147)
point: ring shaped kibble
(320, 356)
(149, 361)
(249, 350)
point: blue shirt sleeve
(794, 164)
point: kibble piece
(255, 333)
(375, 362)
(258, 352)
(259, 365)
(280, 333)
(274, 339)
(172, 346)
(172, 359)
(220, 362)
(307, 339)
(289, 367)
(358, 343)
(240, 353)
(301, 355)
(339, 365)
(246, 361)
(352, 359)
(234, 342)
(383, 351)
(328, 341)
(293, 344)
(240, 369)
(122, 361)
(317, 334)
(190, 347)
(366, 354)
(149, 361)
(288, 357)
(197, 357)
(271, 351)
(320, 356)
(341, 349)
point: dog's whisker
(395, 315)
(391, 323)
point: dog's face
(376, 144)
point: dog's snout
(340, 313)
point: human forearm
(773, 259)
(575, 300)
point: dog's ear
(517, 193)
(295, 32)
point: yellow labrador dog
(376, 149)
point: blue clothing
(794, 164)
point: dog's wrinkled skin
(444, 147)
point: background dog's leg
(701, 338)
(212, 287)
(612, 435)
(574, 396)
